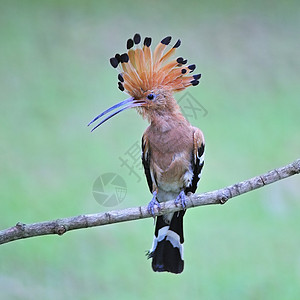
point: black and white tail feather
(167, 247)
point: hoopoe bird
(172, 149)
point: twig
(60, 226)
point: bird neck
(167, 121)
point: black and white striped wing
(197, 162)
(146, 161)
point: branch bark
(60, 226)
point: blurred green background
(55, 77)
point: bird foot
(152, 204)
(181, 198)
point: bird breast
(171, 154)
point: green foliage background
(55, 77)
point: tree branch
(60, 226)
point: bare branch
(60, 226)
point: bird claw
(149, 254)
(152, 204)
(181, 198)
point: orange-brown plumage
(143, 71)
(172, 149)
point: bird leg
(153, 203)
(181, 198)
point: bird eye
(151, 96)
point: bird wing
(197, 161)
(146, 161)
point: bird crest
(149, 78)
(142, 70)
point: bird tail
(167, 248)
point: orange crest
(142, 70)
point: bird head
(149, 78)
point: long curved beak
(128, 103)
